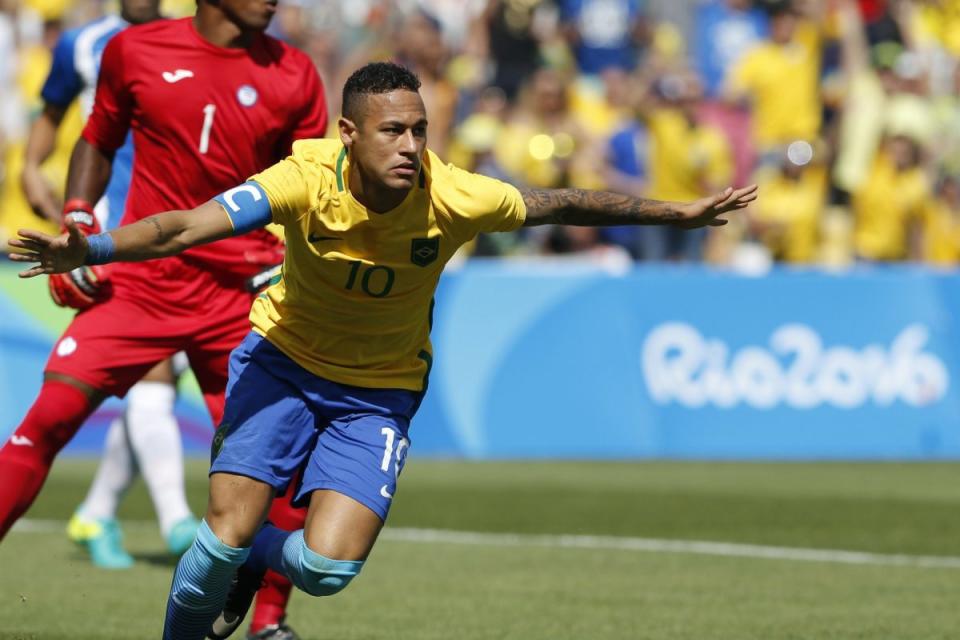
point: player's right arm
(89, 172)
(40, 144)
(62, 86)
(238, 211)
(91, 164)
(106, 130)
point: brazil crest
(423, 251)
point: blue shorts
(280, 418)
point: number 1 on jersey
(208, 112)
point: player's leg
(146, 438)
(351, 478)
(114, 476)
(270, 607)
(265, 434)
(235, 510)
(209, 362)
(94, 523)
(61, 407)
(104, 351)
(154, 437)
(328, 553)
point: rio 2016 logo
(796, 370)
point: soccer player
(146, 437)
(210, 100)
(337, 362)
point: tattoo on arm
(152, 220)
(588, 208)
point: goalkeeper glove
(84, 286)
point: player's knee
(322, 576)
(151, 398)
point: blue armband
(99, 249)
(247, 206)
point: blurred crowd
(846, 112)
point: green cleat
(181, 535)
(106, 548)
(80, 529)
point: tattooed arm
(584, 208)
(157, 236)
(166, 234)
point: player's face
(389, 141)
(249, 15)
(140, 11)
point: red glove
(84, 286)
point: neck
(374, 197)
(217, 29)
(132, 20)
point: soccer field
(566, 551)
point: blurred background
(822, 323)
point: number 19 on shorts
(394, 452)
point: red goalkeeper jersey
(204, 119)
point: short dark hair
(375, 78)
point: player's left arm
(237, 211)
(585, 208)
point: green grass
(447, 591)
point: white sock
(114, 475)
(155, 440)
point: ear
(348, 131)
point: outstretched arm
(581, 207)
(157, 236)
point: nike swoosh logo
(177, 76)
(315, 238)
(386, 494)
(24, 441)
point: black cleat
(274, 632)
(242, 590)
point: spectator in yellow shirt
(890, 203)
(941, 224)
(544, 144)
(779, 79)
(787, 220)
(685, 158)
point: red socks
(25, 459)
(271, 604)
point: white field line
(610, 543)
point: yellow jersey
(941, 234)
(790, 210)
(15, 211)
(783, 83)
(885, 207)
(355, 299)
(687, 160)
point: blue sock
(200, 586)
(267, 550)
(308, 570)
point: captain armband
(247, 206)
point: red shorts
(156, 309)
